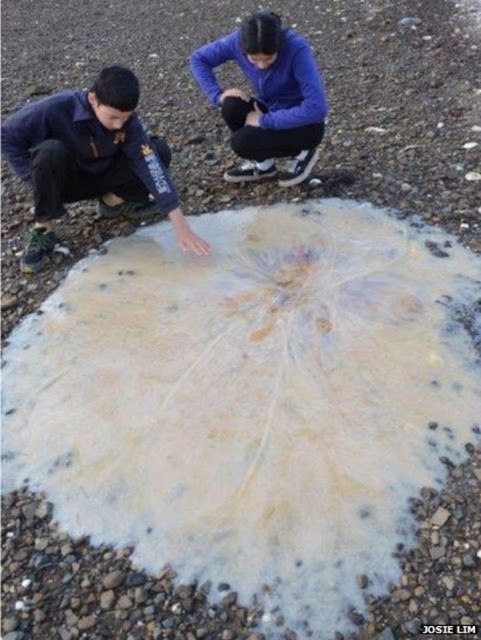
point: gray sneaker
(299, 170)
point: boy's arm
(20, 132)
(148, 167)
(146, 164)
(206, 58)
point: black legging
(255, 143)
(57, 178)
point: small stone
(44, 510)
(107, 599)
(469, 560)
(473, 176)
(124, 602)
(440, 517)
(230, 598)
(41, 544)
(86, 623)
(168, 623)
(113, 579)
(71, 618)
(386, 634)
(375, 130)
(409, 21)
(8, 302)
(413, 606)
(196, 140)
(402, 595)
(355, 617)
(437, 552)
(362, 580)
(135, 580)
(184, 592)
(140, 595)
(9, 624)
(39, 615)
(38, 89)
(412, 626)
(448, 582)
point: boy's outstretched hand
(190, 241)
(186, 238)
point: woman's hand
(234, 93)
(253, 117)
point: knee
(163, 150)
(231, 106)
(243, 143)
(49, 153)
(234, 112)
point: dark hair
(261, 32)
(117, 87)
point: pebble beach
(404, 131)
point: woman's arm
(313, 108)
(206, 58)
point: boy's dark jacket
(68, 117)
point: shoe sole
(30, 270)
(143, 214)
(229, 178)
(304, 175)
(149, 210)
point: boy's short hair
(117, 87)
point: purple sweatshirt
(291, 88)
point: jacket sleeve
(204, 60)
(313, 108)
(146, 164)
(20, 132)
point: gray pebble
(113, 579)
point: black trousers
(255, 143)
(57, 178)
